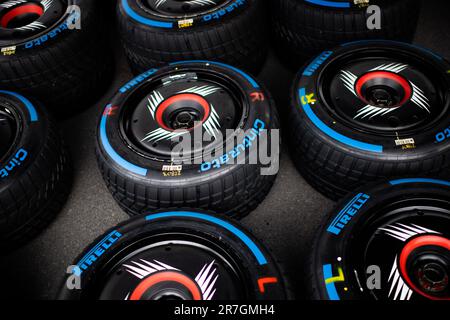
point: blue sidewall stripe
(242, 236)
(332, 4)
(250, 79)
(419, 180)
(331, 288)
(333, 134)
(26, 102)
(146, 21)
(113, 154)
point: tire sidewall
(29, 143)
(151, 171)
(333, 249)
(139, 228)
(137, 15)
(308, 78)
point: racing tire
(176, 255)
(386, 242)
(45, 55)
(140, 129)
(370, 111)
(304, 28)
(34, 170)
(157, 33)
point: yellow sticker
(9, 51)
(308, 99)
(185, 23)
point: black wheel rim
(384, 93)
(176, 104)
(181, 8)
(172, 266)
(410, 242)
(8, 130)
(21, 20)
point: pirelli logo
(350, 210)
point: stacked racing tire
(370, 111)
(221, 118)
(304, 28)
(34, 170)
(155, 33)
(176, 255)
(54, 50)
(388, 242)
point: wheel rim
(20, 20)
(172, 106)
(181, 8)
(175, 266)
(8, 130)
(383, 93)
(425, 266)
(410, 243)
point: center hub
(21, 15)
(383, 89)
(425, 265)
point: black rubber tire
(232, 189)
(34, 191)
(328, 247)
(335, 166)
(302, 30)
(251, 257)
(69, 70)
(237, 38)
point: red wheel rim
(179, 97)
(413, 245)
(32, 8)
(386, 75)
(163, 277)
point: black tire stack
(231, 32)
(350, 136)
(303, 29)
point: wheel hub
(21, 15)
(383, 89)
(425, 265)
(186, 104)
(383, 96)
(21, 20)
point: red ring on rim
(385, 75)
(28, 8)
(163, 277)
(413, 245)
(184, 96)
